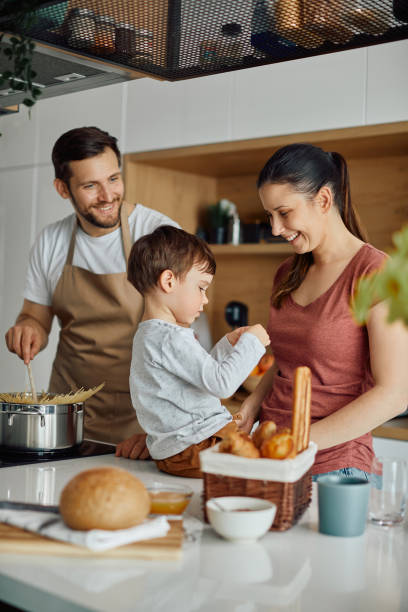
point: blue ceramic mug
(343, 505)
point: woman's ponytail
(348, 213)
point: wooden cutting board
(17, 541)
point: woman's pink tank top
(324, 336)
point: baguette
(301, 414)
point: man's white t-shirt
(100, 255)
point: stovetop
(87, 448)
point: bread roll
(264, 431)
(104, 498)
(278, 446)
(239, 443)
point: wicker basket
(291, 496)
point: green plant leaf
(363, 299)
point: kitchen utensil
(343, 505)
(74, 397)
(32, 385)
(12, 505)
(17, 541)
(26, 427)
(241, 519)
(236, 314)
(215, 503)
(389, 491)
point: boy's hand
(133, 447)
(235, 335)
(260, 332)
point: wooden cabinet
(182, 183)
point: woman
(359, 374)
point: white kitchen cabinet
(50, 206)
(16, 214)
(101, 107)
(18, 138)
(309, 94)
(387, 82)
(28, 202)
(317, 93)
(162, 115)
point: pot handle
(11, 415)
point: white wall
(351, 88)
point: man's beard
(89, 216)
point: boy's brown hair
(167, 248)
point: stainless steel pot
(40, 427)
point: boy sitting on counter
(175, 384)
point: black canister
(133, 42)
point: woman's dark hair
(307, 169)
(77, 144)
(167, 248)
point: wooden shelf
(245, 157)
(279, 248)
(397, 429)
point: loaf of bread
(104, 498)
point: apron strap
(127, 243)
(72, 244)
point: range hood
(99, 42)
(60, 72)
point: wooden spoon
(30, 376)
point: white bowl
(240, 519)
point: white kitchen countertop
(299, 569)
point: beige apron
(99, 314)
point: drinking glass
(389, 487)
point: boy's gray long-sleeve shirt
(175, 384)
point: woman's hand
(133, 447)
(250, 407)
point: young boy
(175, 384)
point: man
(78, 272)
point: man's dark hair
(167, 248)
(77, 144)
